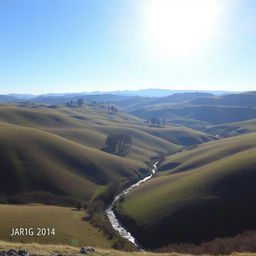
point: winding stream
(116, 224)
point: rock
(12, 252)
(86, 250)
(23, 253)
(3, 253)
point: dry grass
(70, 226)
(35, 248)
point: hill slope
(201, 194)
(90, 126)
(232, 129)
(39, 166)
(70, 226)
(211, 109)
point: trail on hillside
(116, 224)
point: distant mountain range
(142, 93)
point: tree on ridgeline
(69, 103)
(113, 109)
(155, 121)
(80, 102)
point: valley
(54, 156)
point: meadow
(72, 227)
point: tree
(113, 109)
(124, 142)
(155, 121)
(118, 143)
(80, 102)
(111, 142)
(79, 206)
(158, 122)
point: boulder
(86, 250)
(23, 253)
(12, 252)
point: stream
(116, 224)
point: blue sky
(86, 45)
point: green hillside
(199, 111)
(90, 127)
(179, 135)
(212, 114)
(70, 226)
(55, 154)
(39, 166)
(198, 195)
(232, 129)
(238, 99)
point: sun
(180, 26)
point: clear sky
(86, 45)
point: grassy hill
(203, 109)
(40, 166)
(198, 195)
(53, 154)
(232, 129)
(90, 127)
(179, 135)
(71, 226)
(239, 99)
(204, 113)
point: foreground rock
(13, 252)
(86, 250)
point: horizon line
(125, 90)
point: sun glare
(180, 26)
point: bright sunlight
(181, 26)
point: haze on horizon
(76, 46)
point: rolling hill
(70, 226)
(90, 126)
(203, 113)
(232, 129)
(198, 195)
(53, 155)
(238, 99)
(38, 166)
(208, 110)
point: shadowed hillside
(210, 109)
(41, 167)
(232, 129)
(200, 194)
(90, 126)
(70, 226)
